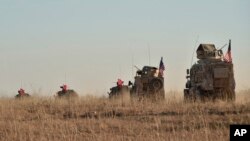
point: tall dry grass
(90, 118)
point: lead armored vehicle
(212, 77)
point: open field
(99, 119)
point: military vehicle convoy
(211, 77)
(148, 82)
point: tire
(159, 96)
(188, 97)
(193, 95)
(68, 94)
(188, 84)
(199, 96)
(155, 84)
(26, 95)
(230, 95)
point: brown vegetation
(100, 119)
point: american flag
(228, 55)
(161, 67)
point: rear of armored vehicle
(210, 78)
(223, 81)
(117, 92)
(148, 83)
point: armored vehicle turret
(211, 77)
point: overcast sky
(89, 44)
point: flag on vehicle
(161, 67)
(228, 56)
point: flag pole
(65, 78)
(149, 57)
(132, 68)
(194, 50)
(132, 61)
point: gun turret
(208, 51)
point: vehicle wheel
(199, 96)
(155, 84)
(230, 95)
(188, 97)
(160, 95)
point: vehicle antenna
(223, 47)
(194, 49)
(149, 59)
(132, 60)
(120, 70)
(132, 68)
(65, 78)
(136, 67)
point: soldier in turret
(119, 90)
(21, 93)
(119, 83)
(64, 88)
(65, 92)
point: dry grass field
(99, 119)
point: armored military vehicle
(117, 92)
(66, 93)
(148, 83)
(22, 94)
(211, 77)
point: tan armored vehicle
(22, 94)
(66, 93)
(119, 90)
(211, 77)
(148, 83)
